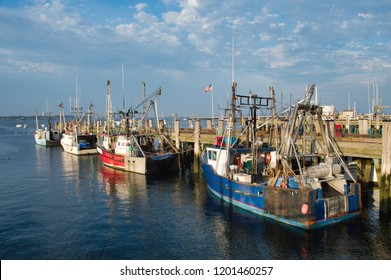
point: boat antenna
(233, 58)
(123, 95)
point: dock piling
(197, 135)
(176, 132)
(385, 186)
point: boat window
(212, 155)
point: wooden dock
(351, 145)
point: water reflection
(77, 172)
(45, 158)
(375, 228)
(125, 186)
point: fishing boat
(137, 153)
(305, 189)
(47, 135)
(143, 150)
(79, 143)
(79, 137)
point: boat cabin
(240, 162)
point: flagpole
(213, 114)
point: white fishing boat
(47, 135)
(79, 143)
(79, 138)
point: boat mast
(274, 135)
(231, 118)
(76, 109)
(108, 111)
(49, 121)
(89, 117)
(62, 118)
(36, 119)
(254, 146)
(48, 115)
(233, 90)
(144, 106)
(233, 96)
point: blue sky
(183, 46)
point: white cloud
(192, 3)
(299, 26)
(239, 22)
(276, 57)
(376, 64)
(344, 24)
(267, 13)
(129, 30)
(202, 44)
(143, 17)
(141, 6)
(265, 37)
(349, 54)
(365, 16)
(186, 18)
(276, 24)
(25, 66)
(54, 14)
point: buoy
(268, 158)
(283, 185)
(304, 208)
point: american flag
(208, 88)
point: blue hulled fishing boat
(308, 188)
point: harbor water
(54, 205)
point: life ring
(283, 185)
(268, 158)
(305, 208)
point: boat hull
(47, 138)
(138, 164)
(297, 207)
(86, 144)
(47, 143)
